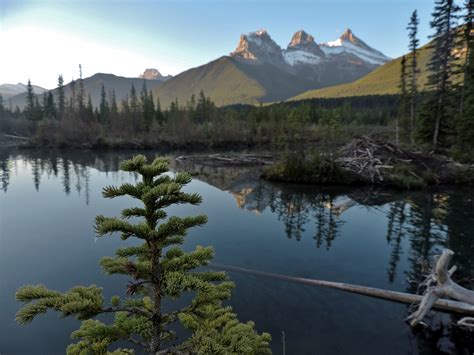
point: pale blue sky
(45, 38)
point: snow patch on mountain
(349, 43)
(338, 47)
(294, 57)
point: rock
(151, 74)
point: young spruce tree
(158, 269)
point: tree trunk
(397, 132)
(412, 122)
(401, 297)
(155, 341)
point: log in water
(400, 297)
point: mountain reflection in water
(418, 223)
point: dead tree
(440, 285)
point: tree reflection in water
(418, 223)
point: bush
(317, 168)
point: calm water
(49, 200)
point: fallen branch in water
(16, 137)
(400, 297)
(439, 284)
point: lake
(48, 201)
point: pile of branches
(371, 161)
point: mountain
(349, 44)
(93, 86)
(383, 80)
(259, 70)
(153, 74)
(9, 90)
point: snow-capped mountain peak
(302, 49)
(258, 46)
(349, 43)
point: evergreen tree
(148, 107)
(61, 96)
(133, 100)
(134, 109)
(413, 71)
(89, 109)
(404, 98)
(104, 106)
(72, 100)
(466, 120)
(3, 122)
(158, 112)
(30, 101)
(113, 104)
(81, 93)
(439, 108)
(37, 110)
(159, 270)
(49, 106)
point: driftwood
(227, 160)
(400, 297)
(369, 159)
(439, 284)
(11, 136)
(378, 162)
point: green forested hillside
(222, 80)
(383, 80)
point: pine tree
(413, 71)
(89, 112)
(49, 106)
(158, 112)
(113, 104)
(466, 114)
(30, 101)
(439, 108)
(81, 93)
(72, 100)
(159, 270)
(148, 107)
(404, 98)
(38, 111)
(104, 106)
(61, 97)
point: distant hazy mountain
(153, 74)
(259, 70)
(93, 86)
(10, 90)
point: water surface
(381, 239)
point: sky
(41, 39)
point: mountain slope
(221, 79)
(93, 86)
(9, 90)
(382, 81)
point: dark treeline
(141, 121)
